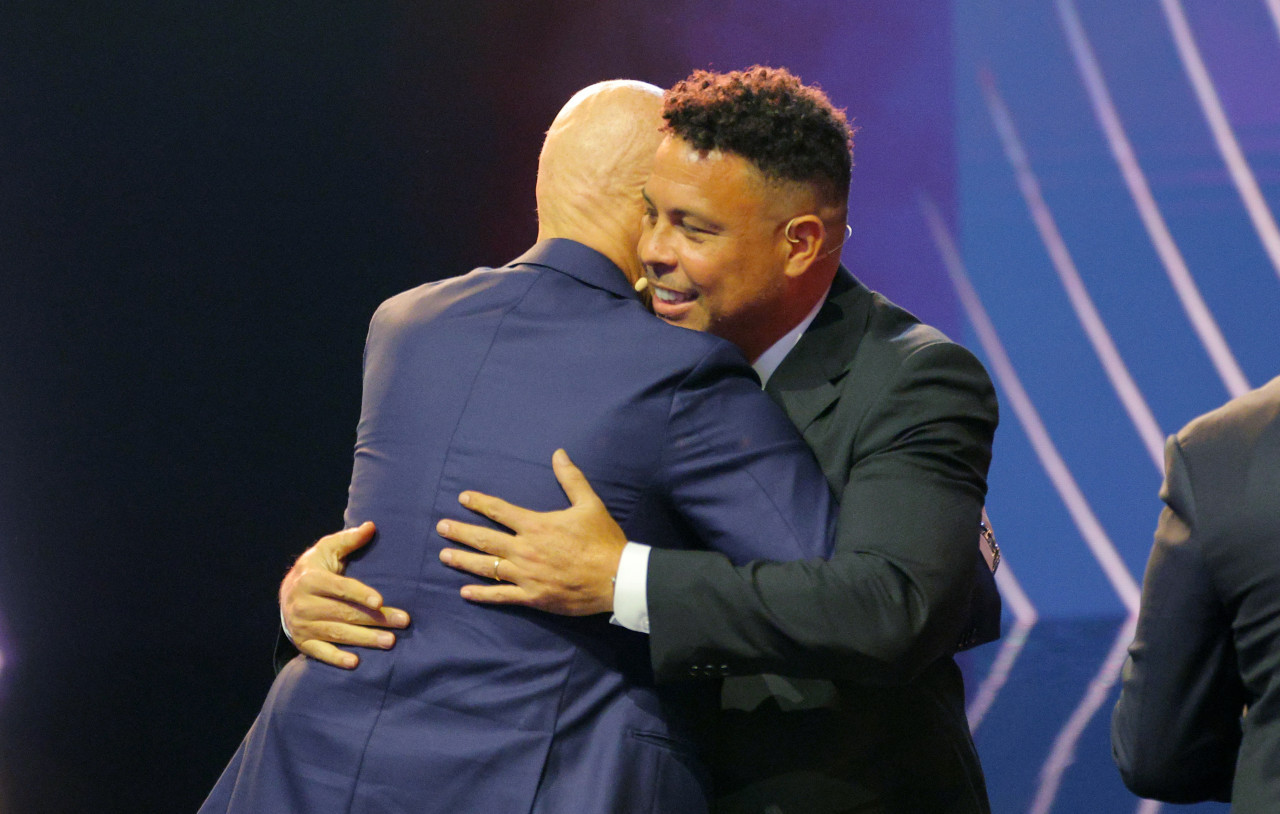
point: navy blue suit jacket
(472, 383)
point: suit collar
(805, 383)
(580, 262)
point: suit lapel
(805, 384)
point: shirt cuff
(630, 603)
(289, 635)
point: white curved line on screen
(1063, 753)
(1144, 421)
(1175, 265)
(1254, 202)
(1077, 505)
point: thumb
(346, 541)
(572, 481)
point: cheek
(704, 266)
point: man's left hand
(562, 562)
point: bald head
(594, 162)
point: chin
(679, 323)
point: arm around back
(907, 444)
(737, 471)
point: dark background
(201, 204)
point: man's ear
(804, 236)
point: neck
(800, 302)
(612, 243)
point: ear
(803, 236)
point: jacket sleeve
(1176, 730)
(894, 596)
(735, 468)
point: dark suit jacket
(1208, 636)
(472, 383)
(902, 422)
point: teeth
(667, 295)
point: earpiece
(787, 232)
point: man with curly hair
(475, 381)
(744, 222)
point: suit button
(724, 669)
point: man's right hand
(321, 608)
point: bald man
(474, 382)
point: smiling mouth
(670, 297)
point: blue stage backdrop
(1117, 253)
(201, 206)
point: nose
(655, 247)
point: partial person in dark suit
(477, 380)
(900, 418)
(1199, 710)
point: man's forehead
(680, 162)
(726, 177)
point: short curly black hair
(790, 131)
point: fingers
(508, 592)
(316, 582)
(354, 635)
(320, 605)
(481, 538)
(317, 628)
(343, 543)
(496, 509)
(479, 564)
(498, 595)
(318, 571)
(322, 651)
(319, 611)
(572, 481)
(322, 608)
(394, 617)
